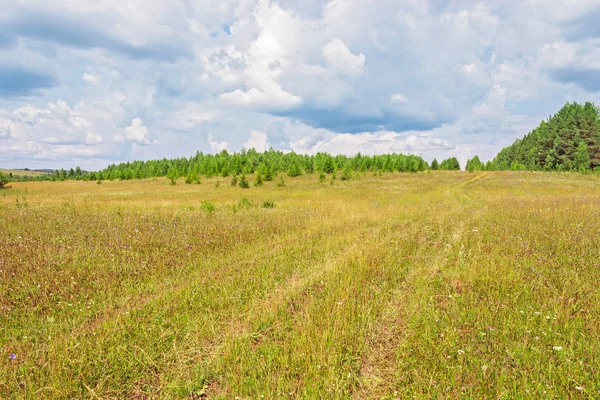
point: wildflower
(461, 352)
(13, 356)
(558, 348)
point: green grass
(428, 285)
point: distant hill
(567, 141)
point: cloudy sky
(90, 83)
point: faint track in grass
(380, 363)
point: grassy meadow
(426, 285)
(23, 172)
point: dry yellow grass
(437, 284)
(22, 172)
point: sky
(90, 83)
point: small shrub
(3, 180)
(99, 182)
(243, 182)
(281, 182)
(322, 177)
(234, 180)
(207, 206)
(268, 204)
(244, 203)
(217, 184)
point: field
(22, 172)
(427, 285)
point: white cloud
(90, 78)
(191, 116)
(93, 138)
(137, 133)
(319, 140)
(340, 58)
(274, 98)
(398, 99)
(493, 107)
(216, 146)
(257, 141)
(5, 125)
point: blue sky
(92, 83)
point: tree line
(267, 164)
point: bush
(322, 177)
(234, 180)
(268, 204)
(207, 206)
(217, 183)
(244, 203)
(281, 182)
(3, 180)
(98, 182)
(243, 182)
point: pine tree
(243, 182)
(294, 169)
(474, 164)
(173, 174)
(581, 160)
(258, 180)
